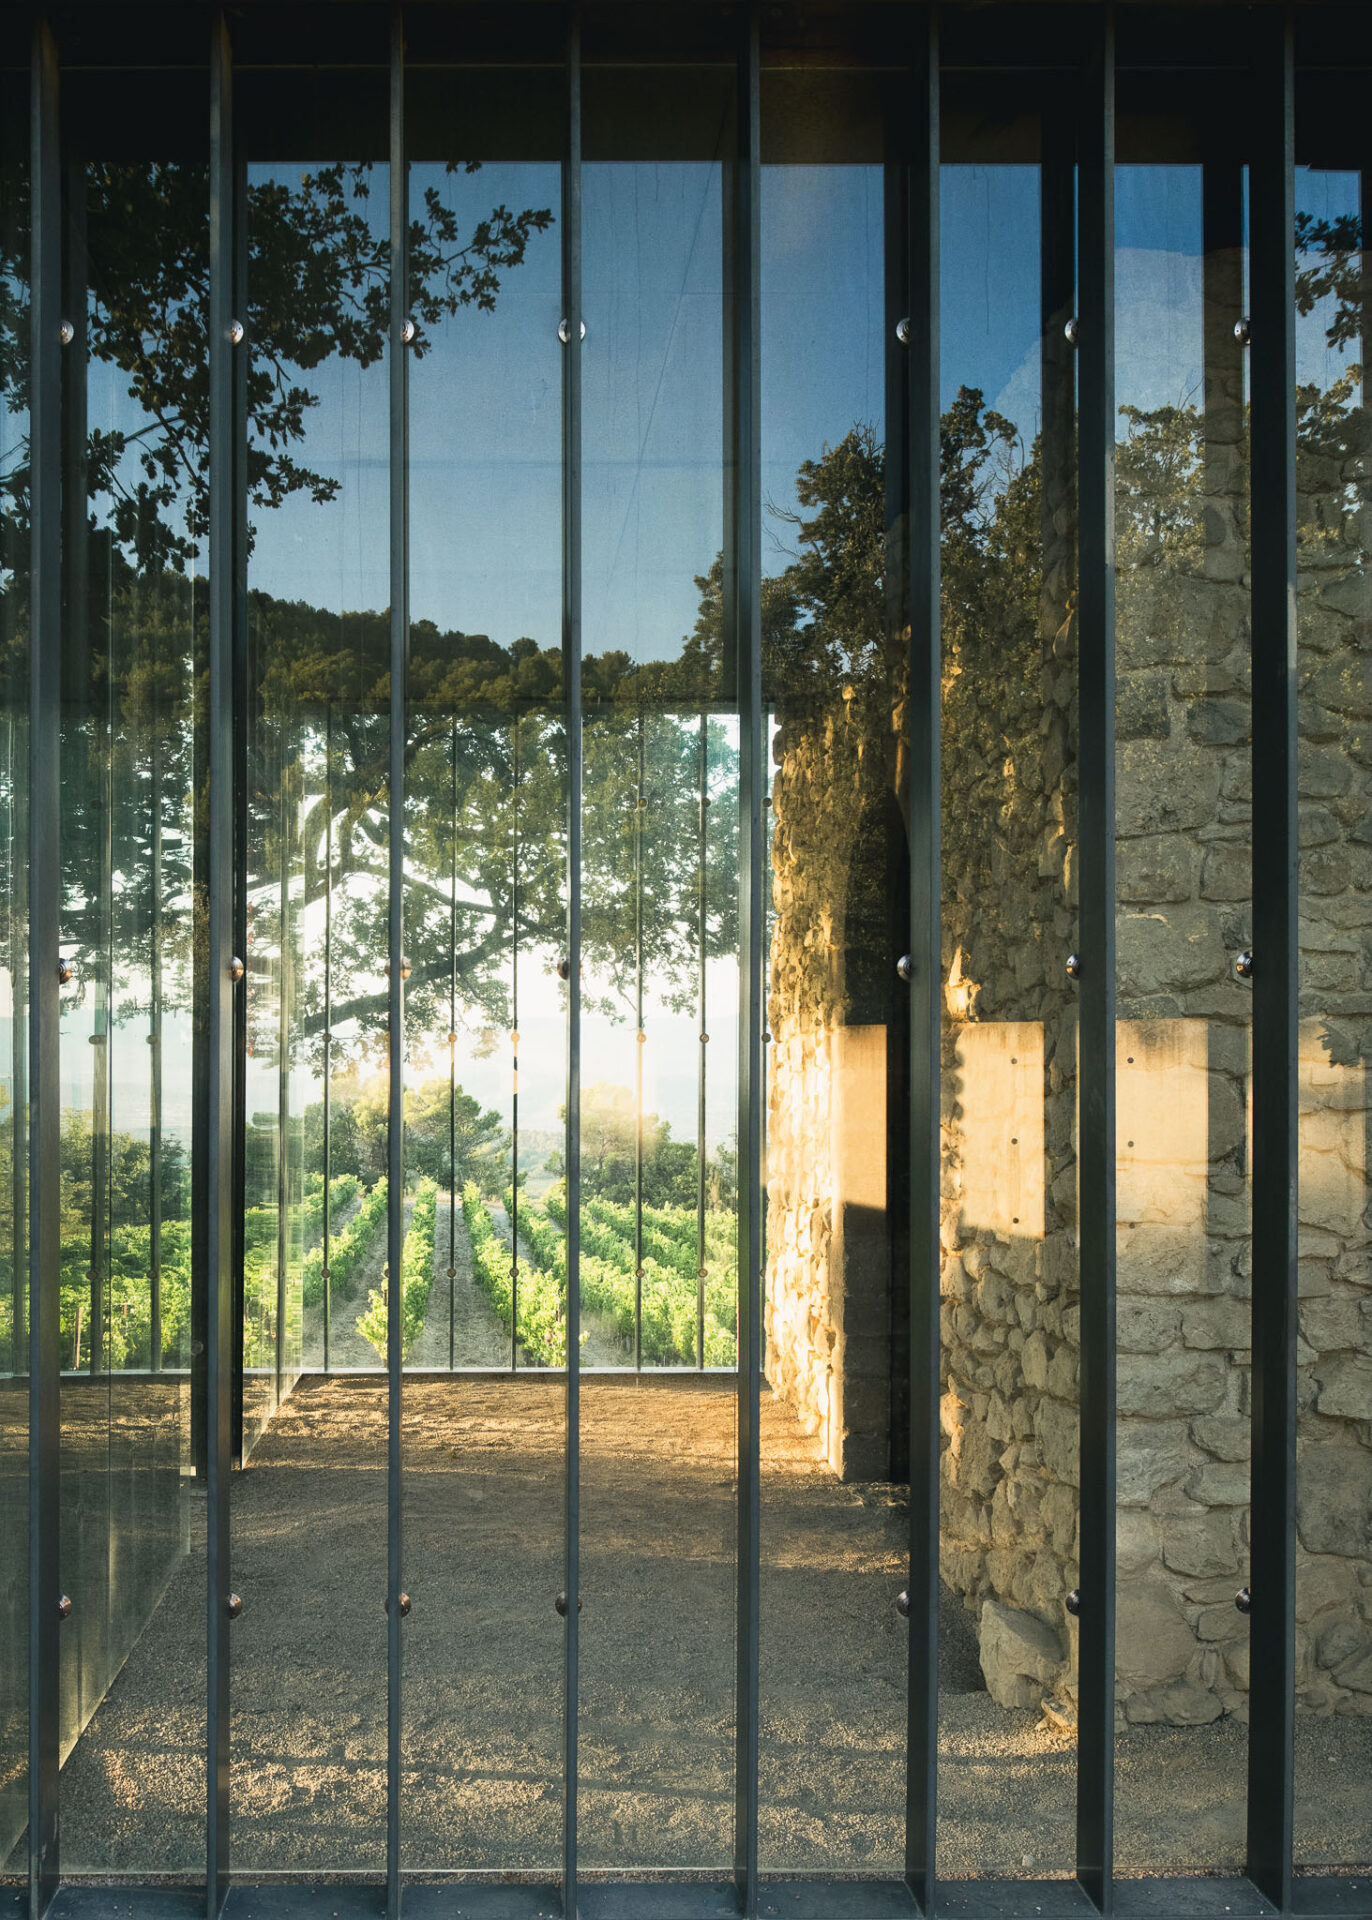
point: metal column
(1272, 1577)
(223, 973)
(571, 669)
(1096, 945)
(396, 967)
(45, 893)
(745, 539)
(924, 965)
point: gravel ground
(483, 1663)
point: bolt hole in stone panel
(1333, 1827)
(131, 1524)
(834, 1649)
(1009, 1367)
(483, 1455)
(657, 1711)
(1184, 891)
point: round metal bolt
(1074, 1602)
(903, 1603)
(404, 1605)
(561, 1604)
(325, 1274)
(1243, 1600)
(409, 330)
(1243, 966)
(1074, 966)
(236, 968)
(64, 1607)
(237, 332)
(1071, 333)
(903, 332)
(564, 969)
(704, 1039)
(66, 333)
(1243, 331)
(233, 1606)
(564, 331)
(66, 973)
(642, 1038)
(905, 966)
(452, 1273)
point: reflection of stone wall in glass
(831, 1238)
(1009, 1282)
(1334, 1353)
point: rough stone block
(1345, 1386)
(1217, 1323)
(1146, 1326)
(1220, 1483)
(1225, 1435)
(1334, 1498)
(1160, 1385)
(1153, 1643)
(1201, 1543)
(1178, 1705)
(1148, 1455)
(1020, 1654)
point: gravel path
(483, 1491)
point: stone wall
(1010, 1282)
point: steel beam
(1096, 946)
(1272, 1528)
(45, 895)
(923, 567)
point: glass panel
(1334, 1461)
(834, 1420)
(1010, 1315)
(132, 1549)
(308, 1729)
(1184, 893)
(659, 893)
(485, 907)
(14, 933)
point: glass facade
(684, 958)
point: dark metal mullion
(1096, 941)
(514, 1046)
(640, 1038)
(744, 536)
(328, 1014)
(1272, 373)
(45, 890)
(452, 1074)
(283, 1046)
(703, 1044)
(571, 668)
(241, 679)
(218, 975)
(395, 1039)
(923, 580)
(155, 1046)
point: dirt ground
(483, 1653)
